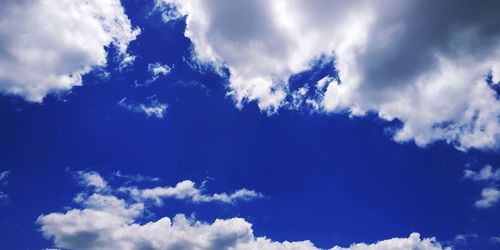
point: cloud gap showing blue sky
(249, 124)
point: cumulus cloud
(47, 45)
(187, 190)
(3, 177)
(424, 63)
(104, 221)
(151, 108)
(489, 197)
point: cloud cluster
(489, 195)
(47, 45)
(151, 108)
(105, 221)
(429, 64)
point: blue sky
(333, 169)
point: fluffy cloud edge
(377, 71)
(53, 57)
(106, 221)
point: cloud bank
(429, 64)
(106, 221)
(48, 45)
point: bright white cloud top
(106, 221)
(421, 62)
(47, 45)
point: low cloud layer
(103, 220)
(424, 63)
(48, 45)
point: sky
(242, 125)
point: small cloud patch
(151, 108)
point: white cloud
(105, 221)
(486, 173)
(91, 179)
(127, 61)
(156, 70)
(489, 197)
(168, 12)
(412, 242)
(187, 190)
(153, 107)
(47, 45)
(397, 58)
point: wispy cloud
(187, 190)
(151, 108)
(156, 70)
(134, 178)
(495, 239)
(126, 61)
(3, 181)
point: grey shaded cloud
(423, 63)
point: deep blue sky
(331, 179)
